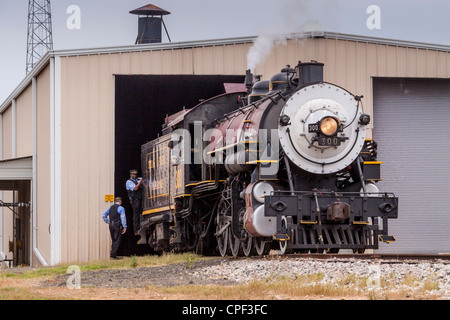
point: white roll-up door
(16, 169)
(412, 128)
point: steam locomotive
(283, 164)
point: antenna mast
(40, 37)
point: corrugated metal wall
(24, 126)
(7, 133)
(43, 123)
(87, 154)
(16, 142)
(412, 132)
(88, 109)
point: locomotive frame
(236, 196)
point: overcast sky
(108, 23)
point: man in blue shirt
(134, 190)
(117, 224)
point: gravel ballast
(431, 276)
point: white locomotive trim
(307, 107)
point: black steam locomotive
(284, 164)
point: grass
(23, 285)
(304, 287)
(127, 262)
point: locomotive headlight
(329, 126)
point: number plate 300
(329, 141)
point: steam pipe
(361, 175)
(289, 173)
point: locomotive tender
(282, 165)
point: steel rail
(371, 256)
(350, 257)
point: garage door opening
(141, 105)
(411, 129)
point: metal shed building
(64, 137)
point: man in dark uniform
(117, 224)
(134, 190)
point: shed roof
(150, 10)
(205, 43)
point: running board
(387, 239)
(281, 237)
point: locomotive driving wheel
(262, 246)
(247, 246)
(236, 244)
(223, 230)
(283, 245)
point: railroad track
(372, 256)
(384, 257)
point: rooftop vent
(150, 24)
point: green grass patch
(126, 262)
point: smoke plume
(293, 20)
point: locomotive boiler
(284, 164)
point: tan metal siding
(87, 153)
(43, 163)
(24, 140)
(230, 59)
(411, 62)
(441, 63)
(402, 61)
(7, 133)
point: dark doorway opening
(141, 105)
(16, 209)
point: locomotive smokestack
(249, 80)
(309, 72)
